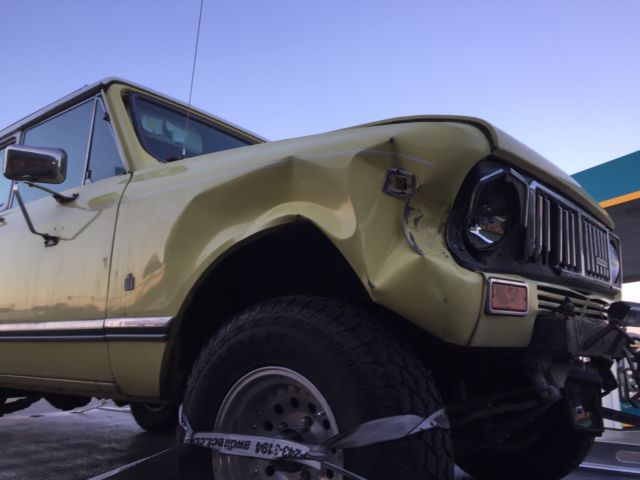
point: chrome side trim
(137, 329)
(111, 329)
(51, 338)
(87, 387)
(71, 325)
(135, 337)
(138, 322)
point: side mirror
(35, 164)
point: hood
(508, 148)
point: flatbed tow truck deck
(102, 442)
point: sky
(561, 76)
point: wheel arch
(293, 258)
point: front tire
(306, 368)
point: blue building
(616, 186)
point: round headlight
(614, 262)
(492, 215)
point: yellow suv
(158, 255)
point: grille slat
(559, 235)
(594, 251)
(547, 223)
(566, 260)
(590, 305)
(550, 298)
(589, 236)
(566, 238)
(602, 254)
(589, 256)
(574, 241)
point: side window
(69, 131)
(5, 185)
(104, 160)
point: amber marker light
(508, 298)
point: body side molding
(125, 329)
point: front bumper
(564, 333)
(567, 364)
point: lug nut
(305, 423)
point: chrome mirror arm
(49, 240)
(58, 197)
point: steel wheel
(276, 402)
(303, 368)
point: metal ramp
(616, 453)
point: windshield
(166, 134)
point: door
(53, 298)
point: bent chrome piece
(314, 456)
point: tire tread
(403, 378)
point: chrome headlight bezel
(534, 246)
(498, 203)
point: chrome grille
(566, 238)
(596, 251)
(550, 298)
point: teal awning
(616, 185)
(612, 179)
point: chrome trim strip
(51, 338)
(135, 337)
(111, 329)
(83, 325)
(138, 322)
(79, 387)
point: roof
(92, 89)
